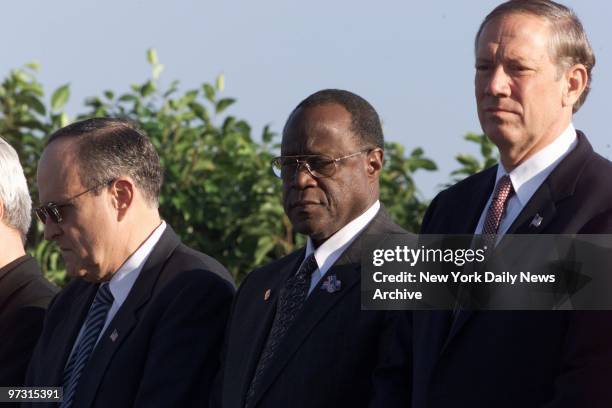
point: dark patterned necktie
(290, 302)
(82, 351)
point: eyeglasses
(53, 211)
(318, 165)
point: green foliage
(472, 165)
(398, 190)
(219, 193)
(24, 123)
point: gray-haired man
(24, 293)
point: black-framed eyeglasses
(318, 165)
(53, 211)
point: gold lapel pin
(267, 294)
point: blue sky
(413, 60)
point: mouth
(303, 203)
(496, 110)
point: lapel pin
(267, 294)
(537, 221)
(331, 284)
(114, 335)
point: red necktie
(503, 191)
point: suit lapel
(125, 319)
(476, 202)
(317, 305)
(537, 214)
(66, 332)
(560, 184)
(442, 323)
(267, 309)
(347, 270)
(541, 209)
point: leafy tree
(472, 165)
(219, 193)
(398, 190)
(24, 122)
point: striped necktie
(82, 351)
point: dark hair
(569, 44)
(365, 123)
(107, 148)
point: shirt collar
(329, 251)
(122, 281)
(528, 176)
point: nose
(498, 83)
(302, 177)
(51, 230)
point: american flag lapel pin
(536, 221)
(114, 335)
(331, 284)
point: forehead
(57, 174)
(324, 129)
(515, 35)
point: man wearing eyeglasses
(142, 324)
(297, 336)
(24, 292)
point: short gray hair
(14, 193)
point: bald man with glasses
(297, 335)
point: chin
(309, 227)
(501, 136)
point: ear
(575, 79)
(375, 160)
(122, 194)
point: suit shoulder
(187, 261)
(270, 271)
(65, 298)
(466, 186)
(28, 287)
(597, 173)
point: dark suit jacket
(329, 352)
(520, 358)
(24, 296)
(170, 334)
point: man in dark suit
(533, 66)
(297, 335)
(24, 292)
(142, 325)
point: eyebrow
(511, 60)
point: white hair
(14, 194)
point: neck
(513, 156)
(135, 233)
(11, 244)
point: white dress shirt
(123, 280)
(528, 177)
(329, 251)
